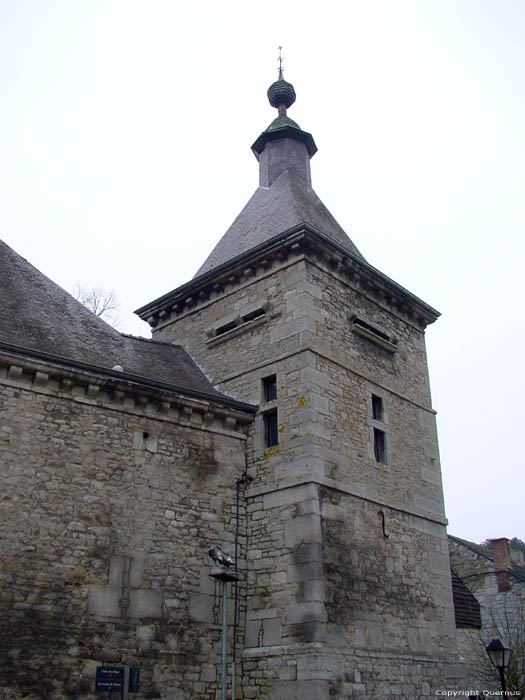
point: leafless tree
(102, 302)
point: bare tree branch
(102, 302)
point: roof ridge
(151, 340)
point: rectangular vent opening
(227, 327)
(254, 314)
(366, 326)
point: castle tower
(348, 581)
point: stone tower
(348, 587)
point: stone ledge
(254, 652)
(83, 386)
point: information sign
(109, 678)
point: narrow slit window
(377, 407)
(379, 446)
(271, 435)
(269, 388)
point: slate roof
(37, 314)
(270, 211)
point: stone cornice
(337, 485)
(283, 132)
(117, 390)
(302, 241)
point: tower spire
(281, 94)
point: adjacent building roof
(467, 610)
(482, 551)
(38, 315)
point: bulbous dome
(281, 93)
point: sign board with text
(109, 679)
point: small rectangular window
(271, 435)
(379, 446)
(269, 388)
(377, 407)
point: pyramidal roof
(284, 198)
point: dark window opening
(254, 314)
(380, 446)
(377, 407)
(271, 435)
(270, 388)
(227, 327)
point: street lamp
(500, 657)
(220, 571)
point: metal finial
(281, 94)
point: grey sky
(125, 133)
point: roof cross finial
(280, 59)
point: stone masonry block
(104, 601)
(145, 604)
(261, 614)
(309, 507)
(305, 528)
(305, 612)
(116, 571)
(312, 551)
(208, 673)
(206, 582)
(313, 377)
(302, 690)
(136, 572)
(315, 590)
(271, 631)
(200, 608)
(319, 667)
(331, 512)
(284, 497)
(253, 630)
(305, 572)
(310, 466)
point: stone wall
(349, 590)
(339, 608)
(108, 509)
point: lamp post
(220, 570)
(500, 658)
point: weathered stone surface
(305, 690)
(104, 601)
(103, 545)
(145, 604)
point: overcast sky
(125, 134)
